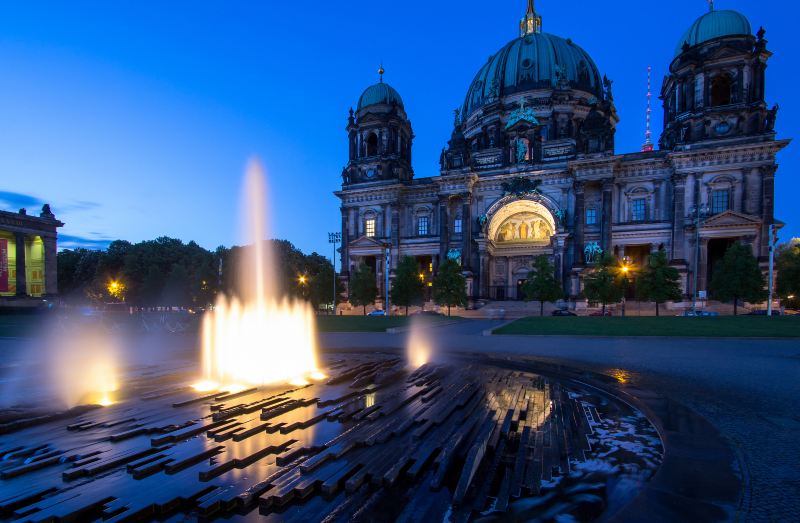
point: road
(747, 388)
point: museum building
(28, 250)
(531, 167)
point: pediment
(731, 219)
(365, 241)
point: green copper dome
(380, 93)
(533, 61)
(715, 24)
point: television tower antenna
(648, 143)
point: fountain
(418, 347)
(258, 337)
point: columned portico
(28, 255)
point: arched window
(721, 90)
(372, 145)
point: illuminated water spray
(419, 345)
(258, 338)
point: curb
(400, 330)
(490, 332)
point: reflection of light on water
(260, 338)
(418, 350)
(205, 386)
(621, 375)
(369, 400)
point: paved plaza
(747, 388)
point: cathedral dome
(533, 61)
(714, 24)
(380, 93)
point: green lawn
(722, 327)
(369, 323)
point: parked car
(377, 313)
(601, 313)
(563, 312)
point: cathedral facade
(531, 168)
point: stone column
(605, 235)
(483, 275)
(578, 223)
(702, 266)
(678, 217)
(22, 279)
(50, 266)
(395, 236)
(444, 226)
(344, 256)
(466, 232)
(768, 207)
(657, 201)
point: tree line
(167, 272)
(408, 289)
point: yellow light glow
(259, 343)
(419, 348)
(625, 269)
(302, 280)
(621, 375)
(317, 376)
(115, 289)
(421, 276)
(205, 386)
(233, 389)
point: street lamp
(699, 214)
(334, 238)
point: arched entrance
(517, 231)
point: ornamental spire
(381, 70)
(531, 23)
(710, 5)
(648, 143)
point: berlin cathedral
(531, 168)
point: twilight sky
(135, 119)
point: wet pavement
(746, 388)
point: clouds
(12, 201)
(94, 241)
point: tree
(788, 266)
(450, 286)
(738, 277)
(407, 288)
(363, 289)
(542, 285)
(659, 282)
(603, 283)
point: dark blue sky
(135, 119)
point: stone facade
(531, 169)
(30, 271)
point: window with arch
(457, 225)
(372, 145)
(369, 227)
(720, 200)
(638, 209)
(423, 226)
(721, 90)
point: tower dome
(377, 94)
(712, 25)
(533, 61)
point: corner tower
(380, 137)
(715, 90)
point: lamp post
(334, 238)
(699, 214)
